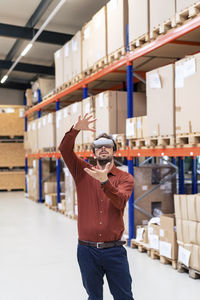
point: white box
(59, 67)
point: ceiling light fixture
(29, 46)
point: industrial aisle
(38, 259)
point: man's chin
(104, 160)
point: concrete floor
(38, 259)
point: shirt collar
(113, 171)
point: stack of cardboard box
(187, 210)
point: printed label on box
(113, 4)
(162, 233)
(87, 107)
(75, 107)
(130, 130)
(189, 67)
(74, 45)
(33, 126)
(66, 112)
(100, 100)
(39, 125)
(154, 241)
(57, 54)
(145, 187)
(179, 76)
(154, 81)
(66, 49)
(21, 112)
(29, 127)
(44, 121)
(87, 33)
(139, 125)
(50, 118)
(184, 256)
(165, 249)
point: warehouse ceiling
(19, 21)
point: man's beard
(104, 161)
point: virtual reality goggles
(103, 142)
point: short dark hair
(107, 136)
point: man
(103, 192)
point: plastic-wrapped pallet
(117, 20)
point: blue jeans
(95, 263)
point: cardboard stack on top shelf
(136, 128)
(88, 106)
(186, 84)
(67, 60)
(76, 110)
(31, 144)
(182, 4)
(63, 123)
(47, 132)
(166, 9)
(76, 55)
(161, 102)
(138, 10)
(187, 210)
(45, 85)
(59, 67)
(70, 195)
(117, 20)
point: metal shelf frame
(130, 154)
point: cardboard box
(138, 10)
(197, 198)
(136, 127)
(195, 258)
(59, 67)
(166, 9)
(28, 97)
(51, 187)
(168, 239)
(47, 131)
(117, 20)
(32, 136)
(76, 111)
(67, 57)
(161, 102)
(89, 107)
(11, 120)
(181, 206)
(184, 254)
(183, 4)
(76, 54)
(153, 236)
(63, 123)
(87, 46)
(146, 178)
(99, 44)
(187, 80)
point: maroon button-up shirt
(100, 208)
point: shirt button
(100, 223)
(100, 234)
(101, 212)
(101, 200)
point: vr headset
(108, 143)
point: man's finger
(90, 172)
(79, 118)
(91, 121)
(85, 116)
(91, 129)
(89, 117)
(107, 165)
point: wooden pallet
(165, 260)
(142, 40)
(100, 64)
(86, 147)
(187, 14)
(142, 247)
(78, 148)
(120, 140)
(194, 274)
(116, 55)
(12, 180)
(137, 143)
(160, 142)
(188, 140)
(12, 155)
(154, 254)
(77, 78)
(49, 149)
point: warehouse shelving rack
(170, 37)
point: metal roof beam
(34, 19)
(28, 68)
(15, 85)
(27, 33)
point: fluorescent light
(4, 79)
(25, 51)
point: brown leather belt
(102, 245)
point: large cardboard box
(59, 67)
(87, 46)
(45, 85)
(67, 61)
(166, 9)
(117, 20)
(161, 102)
(76, 54)
(186, 82)
(136, 128)
(181, 206)
(50, 187)
(32, 136)
(168, 239)
(99, 23)
(89, 107)
(47, 131)
(28, 95)
(146, 178)
(11, 120)
(138, 10)
(153, 236)
(142, 234)
(63, 123)
(182, 4)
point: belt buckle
(99, 245)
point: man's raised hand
(83, 123)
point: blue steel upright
(181, 175)
(40, 159)
(85, 95)
(58, 166)
(130, 161)
(194, 176)
(26, 159)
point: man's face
(104, 153)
